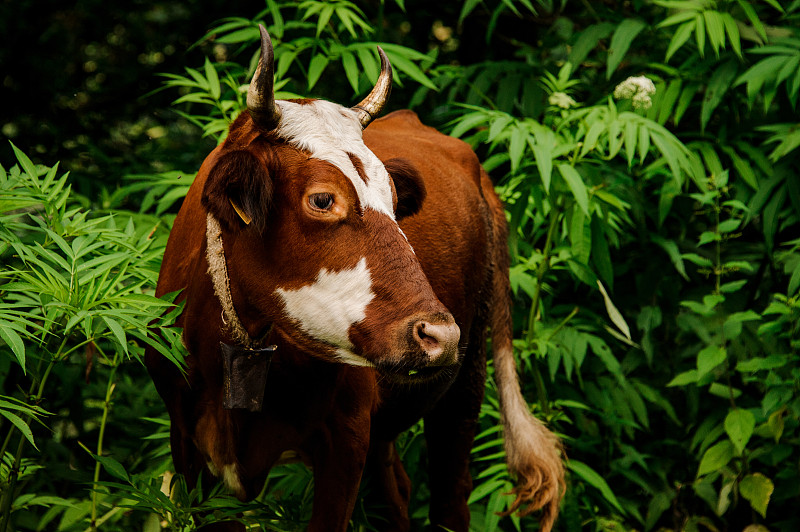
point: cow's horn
(371, 106)
(261, 94)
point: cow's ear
(238, 191)
(408, 185)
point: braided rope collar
(218, 270)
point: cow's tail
(534, 453)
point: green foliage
(647, 155)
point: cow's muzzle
(430, 347)
(438, 342)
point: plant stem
(13, 474)
(379, 33)
(106, 407)
(544, 266)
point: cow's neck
(218, 270)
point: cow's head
(312, 243)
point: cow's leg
(450, 430)
(337, 475)
(390, 486)
(339, 454)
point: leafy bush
(647, 155)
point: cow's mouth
(407, 374)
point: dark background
(77, 82)
(80, 82)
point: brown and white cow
(374, 260)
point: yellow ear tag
(243, 215)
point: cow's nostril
(426, 341)
(438, 341)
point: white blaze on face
(329, 132)
(328, 307)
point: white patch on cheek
(328, 307)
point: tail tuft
(534, 453)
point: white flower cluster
(639, 89)
(561, 99)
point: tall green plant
(74, 290)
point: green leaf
(27, 166)
(700, 34)
(315, 69)
(118, 331)
(715, 28)
(671, 247)
(112, 467)
(753, 17)
(613, 313)
(13, 340)
(20, 424)
(406, 66)
(485, 489)
(467, 8)
(516, 146)
(718, 85)
(732, 327)
(324, 17)
(594, 479)
(762, 363)
(682, 379)
(757, 489)
(709, 358)
(679, 38)
(739, 425)
(587, 41)
(213, 79)
(723, 391)
(733, 286)
(350, 69)
(716, 457)
(580, 235)
(623, 36)
(576, 185)
(732, 29)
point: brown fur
(342, 419)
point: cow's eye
(321, 201)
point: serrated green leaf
(118, 332)
(739, 425)
(350, 69)
(679, 38)
(700, 34)
(14, 341)
(325, 15)
(315, 69)
(621, 40)
(718, 86)
(709, 358)
(576, 185)
(213, 79)
(682, 379)
(594, 479)
(27, 166)
(18, 422)
(757, 489)
(613, 313)
(716, 457)
(715, 28)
